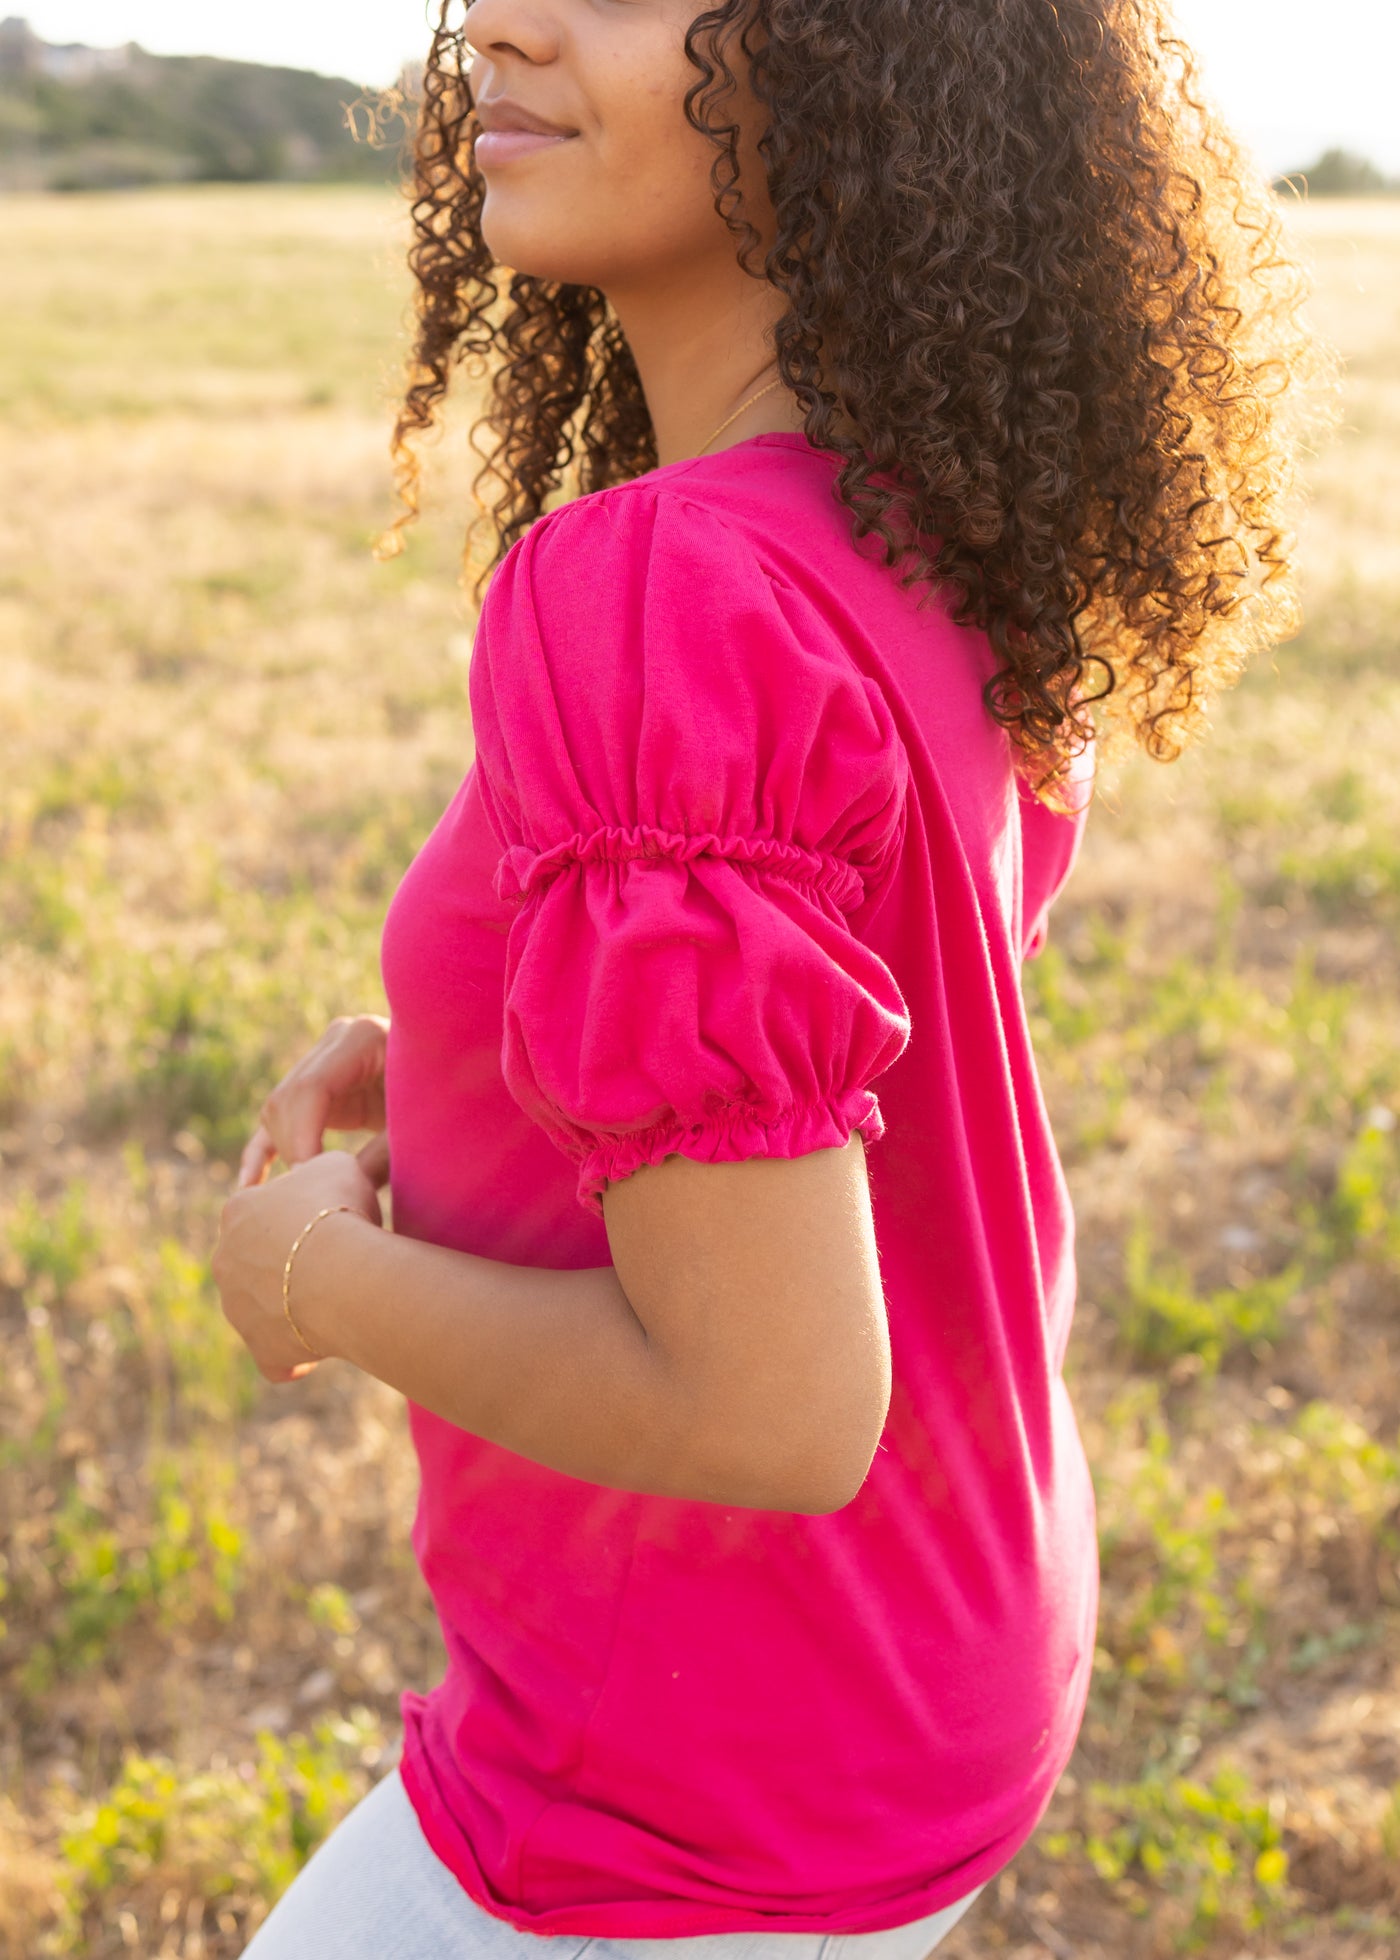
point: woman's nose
(502, 28)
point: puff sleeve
(696, 793)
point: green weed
(1214, 1849)
(16, 1074)
(1061, 1007)
(221, 1833)
(1316, 1649)
(190, 1561)
(1159, 1544)
(1390, 1826)
(1364, 1213)
(1161, 1315)
(1335, 1459)
(197, 1053)
(195, 1361)
(329, 1606)
(38, 905)
(1316, 1020)
(93, 778)
(48, 1365)
(1354, 869)
(55, 1245)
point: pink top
(741, 846)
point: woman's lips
(502, 145)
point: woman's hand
(257, 1230)
(337, 1085)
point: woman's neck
(702, 342)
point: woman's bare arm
(735, 1351)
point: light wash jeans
(376, 1890)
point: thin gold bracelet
(287, 1274)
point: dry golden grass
(225, 729)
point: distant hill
(1338, 173)
(79, 118)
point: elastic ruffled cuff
(522, 870)
(730, 1137)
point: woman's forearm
(552, 1364)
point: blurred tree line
(1339, 173)
(75, 118)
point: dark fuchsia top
(742, 865)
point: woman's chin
(539, 251)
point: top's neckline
(798, 438)
(785, 438)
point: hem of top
(681, 1919)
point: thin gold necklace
(737, 413)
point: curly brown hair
(1028, 263)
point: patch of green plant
(43, 1430)
(194, 1040)
(1246, 809)
(1350, 868)
(1068, 1002)
(1390, 1825)
(190, 1560)
(1159, 1544)
(1350, 638)
(328, 1605)
(1316, 1019)
(382, 841)
(16, 1074)
(1214, 1849)
(1316, 1649)
(264, 581)
(55, 1244)
(1345, 797)
(1161, 1316)
(1061, 1008)
(95, 778)
(197, 1366)
(219, 1833)
(197, 1049)
(1364, 1212)
(39, 905)
(1344, 1468)
(1109, 1018)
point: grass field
(225, 730)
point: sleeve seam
(521, 870)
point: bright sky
(1294, 76)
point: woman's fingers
(260, 1153)
(257, 1158)
(299, 1112)
(338, 1084)
(374, 1160)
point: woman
(925, 370)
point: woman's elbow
(813, 1467)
